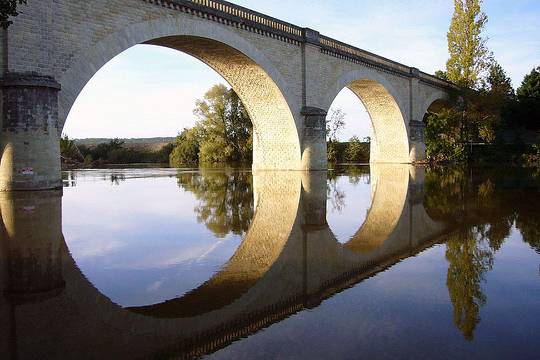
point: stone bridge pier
(287, 77)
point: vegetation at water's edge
(114, 151)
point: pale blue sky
(150, 91)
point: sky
(148, 91)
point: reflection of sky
(346, 220)
(139, 242)
(405, 313)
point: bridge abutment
(30, 133)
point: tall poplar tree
(469, 55)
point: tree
(445, 138)
(498, 82)
(469, 56)
(335, 121)
(69, 150)
(186, 148)
(441, 75)
(103, 151)
(530, 87)
(8, 8)
(356, 151)
(226, 127)
(527, 111)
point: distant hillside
(150, 144)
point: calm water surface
(387, 262)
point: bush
(356, 151)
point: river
(380, 262)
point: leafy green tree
(162, 156)
(445, 138)
(530, 87)
(469, 56)
(441, 75)
(335, 122)
(226, 127)
(8, 8)
(186, 148)
(498, 82)
(103, 151)
(69, 150)
(528, 94)
(356, 151)
(88, 160)
(225, 200)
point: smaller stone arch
(387, 110)
(434, 101)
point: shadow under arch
(381, 100)
(260, 86)
(436, 106)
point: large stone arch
(387, 109)
(261, 87)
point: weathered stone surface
(29, 135)
(277, 68)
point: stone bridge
(288, 261)
(287, 77)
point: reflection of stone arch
(277, 200)
(391, 141)
(390, 188)
(259, 84)
(289, 261)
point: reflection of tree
(469, 260)
(444, 188)
(335, 195)
(528, 223)
(116, 179)
(225, 200)
(355, 174)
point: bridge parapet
(246, 19)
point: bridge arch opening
(276, 144)
(437, 106)
(389, 141)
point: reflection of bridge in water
(288, 261)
